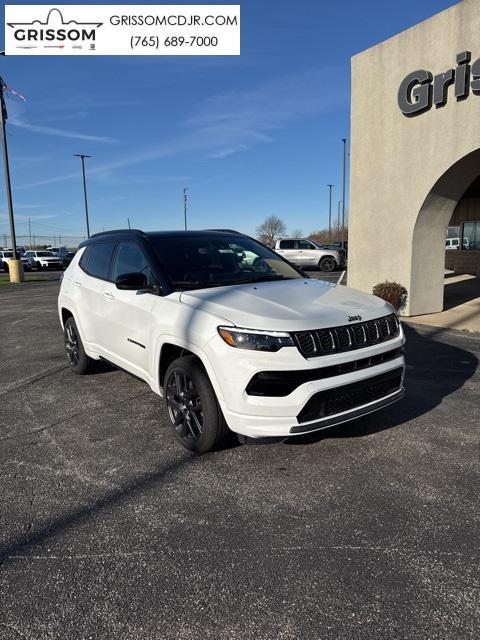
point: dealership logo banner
(108, 30)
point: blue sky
(250, 136)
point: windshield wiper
(259, 278)
(183, 285)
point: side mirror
(131, 281)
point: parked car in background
(454, 243)
(5, 256)
(338, 245)
(43, 260)
(308, 253)
(66, 258)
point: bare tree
(296, 233)
(270, 230)
(322, 235)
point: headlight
(256, 340)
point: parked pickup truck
(229, 333)
(307, 253)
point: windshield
(196, 262)
(8, 254)
(44, 254)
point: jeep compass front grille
(320, 342)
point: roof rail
(115, 231)
(227, 231)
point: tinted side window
(303, 244)
(287, 244)
(96, 259)
(131, 259)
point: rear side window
(287, 244)
(96, 259)
(303, 244)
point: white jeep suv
(43, 260)
(253, 347)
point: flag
(4, 107)
(5, 88)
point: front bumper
(268, 416)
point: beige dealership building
(415, 157)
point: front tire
(328, 263)
(195, 415)
(79, 362)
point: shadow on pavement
(25, 543)
(457, 293)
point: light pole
(185, 198)
(15, 266)
(330, 187)
(344, 140)
(82, 158)
(338, 216)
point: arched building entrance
(415, 152)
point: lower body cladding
(296, 395)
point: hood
(294, 305)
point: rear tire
(196, 418)
(328, 263)
(79, 362)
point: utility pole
(338, 217)
(344, 140)
(82, 158)
(16, 269)
(30, 233)
(330, 187)
(128, 220)
(185, 198)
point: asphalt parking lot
(108, 529)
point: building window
(471, 235)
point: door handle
(77, 283)
(108, 296)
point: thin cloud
(235, 121)
(238, 120)
(16, 118)
(61, 133)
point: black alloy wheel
(78, 360)
(184, 406)
(195, 415)
(72, 348)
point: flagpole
(16, 272)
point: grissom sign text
(122, 30)
(421, 89)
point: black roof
(161, 234)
